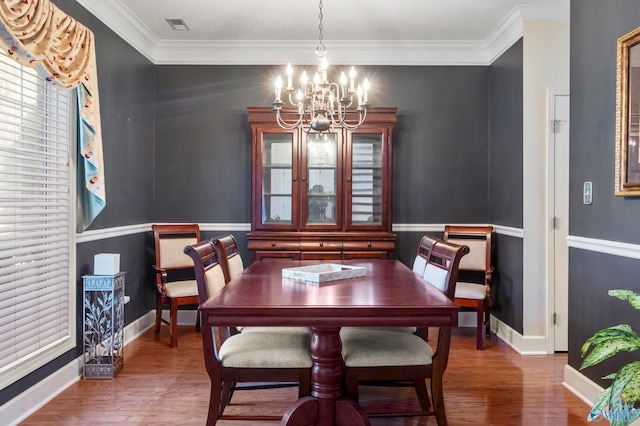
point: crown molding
(124, 24)
(163, 52)
(340, 52)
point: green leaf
(608, 342)
(629, 295)
(631, 373)
(620, 407)
(602, 400)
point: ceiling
(373, 32)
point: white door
(559, 273)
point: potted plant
(617, 402)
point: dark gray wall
(126, 84)
(505, 181)
(595, 27)
(203, 151)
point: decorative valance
(39, 35)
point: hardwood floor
(164, 386)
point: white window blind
(36, 295)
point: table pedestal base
(325, 406)
(305, 412)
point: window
(37, 250)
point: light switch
(587, 193)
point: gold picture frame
(627, 167)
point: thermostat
(587, 193)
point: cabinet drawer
(274, 245)
(368, 245)
(351, 255)
(321, 245)
(321, 255)
(261, 255)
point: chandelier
(319, 104)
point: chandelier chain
(320, 38)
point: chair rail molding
(437, 227)
(615, 248)
(119, 231)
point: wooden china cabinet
(321, 195)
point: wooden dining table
(390, 294)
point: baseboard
(580, 385)
(37, 396)
(524, 345)
(587, 390)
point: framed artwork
(627, 167)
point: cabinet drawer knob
(348, 179)
(321, 244)
(369, 244)
(273, 243)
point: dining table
(388, 293)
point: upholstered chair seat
(473, 291)
(181, 288)
(267, 349)
(371, 347)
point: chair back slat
(228, 256)
(170, 240)
(442, 269)
(171, 253)
(478, 239)
(235, 265)
(436, 276)
(208, 271)
(476, 260)
(423, 254)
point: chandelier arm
(349, 126)
(287, 125)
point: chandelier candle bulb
(278, 89)
(352, 76)
(365, 86)
(289, 77)
(343, 85)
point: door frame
(550, 228)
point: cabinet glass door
(366, 179)
(277, 178)
(321, 208)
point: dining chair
(474, 288)
(232, 265)
(260, 357)
(228, 255)
(371, 356)
(173, 270)
(419, 264)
